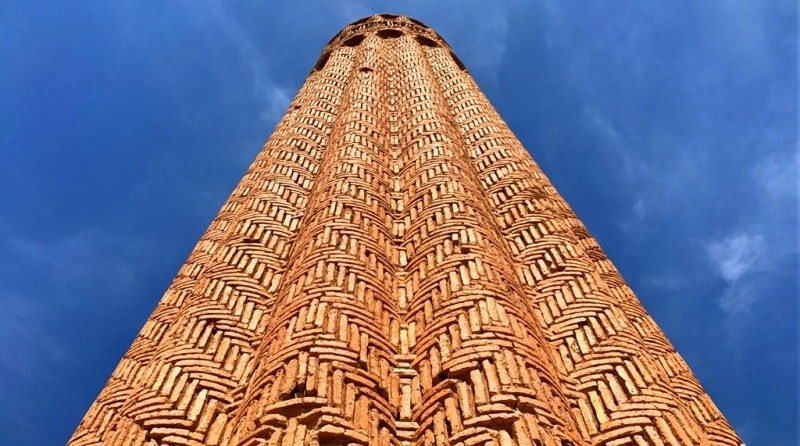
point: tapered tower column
(394, 269)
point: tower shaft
(394, 268)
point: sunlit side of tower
(394, 268)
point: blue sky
(670, 127)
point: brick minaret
(394, 268)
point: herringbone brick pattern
(394, 268)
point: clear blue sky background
(670, 127)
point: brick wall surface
(395, 269)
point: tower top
(388, 23)
(385, 26)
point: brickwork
(394, 268)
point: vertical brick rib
(324, 366)
(173, 384)
(485, 370)
(632, 385)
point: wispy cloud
(90, 263)
(741, 257)
(71, 257)
(619, 150)
(274, 98)
(489, 42)
(350, 10)
(736, 255)
(64, 300)
(278, 99)
(487, 29)
(770, 239)
(25, 340)
(777, 175)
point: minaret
(395, 269)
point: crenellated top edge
(386, 26)
(377, 22)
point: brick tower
(394, 269)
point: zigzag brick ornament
(395, 269)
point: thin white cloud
(616, 146)
(26, 340)
(737, 300)
(603, 126)
(478, 35)
(279, 99)
(736, 255)
(350, 10)
(70, 257)
(90, 263)
(777, 175)
(646, 183)
(763, 246)
(752, 22)
(734, 258)
(639, 208)
(489, 46)
(274, 98)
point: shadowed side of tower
(395, 269)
